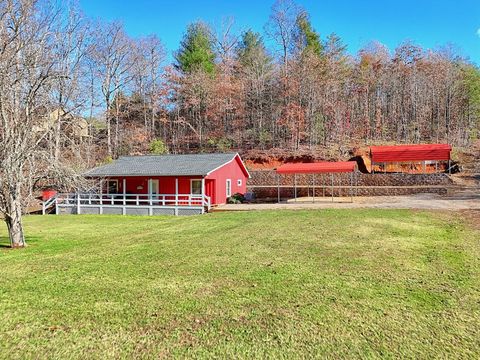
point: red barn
(161, 184)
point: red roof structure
(401, 153)
(317, 167)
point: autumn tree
(113, 60)
(256, 70)
(195, 63)
(147, 80)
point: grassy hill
(331, 283)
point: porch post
(101, 192)
(176, 196)
(150, 191)
(204, 192)
(124, 187)
(78, 202)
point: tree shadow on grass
(5, 241)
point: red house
(160, 184)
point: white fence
(131, 204)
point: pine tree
(307, 38)
(251, 50)
(196, 50)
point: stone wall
(364, 184)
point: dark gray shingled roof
(163, 165)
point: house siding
(215, 182)
(234, 171)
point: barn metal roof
(317, 167)
(399, 153)
(163, 165)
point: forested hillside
(76, 92)
(288, 88)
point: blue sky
(428, 23)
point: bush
(158, 147)
(222, 144)
(236, 199)
(107, 160)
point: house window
(229, 187)
(239, 182)
(112, 186)
(196, 187)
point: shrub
(236, 199)
(221, 144)
(107, 160)
(158, 147)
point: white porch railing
(124, 201)
(48, 203)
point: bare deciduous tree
(113, 57)
(281, 25)
(28, 71)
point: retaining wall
(364, 184)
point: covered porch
(140, 195)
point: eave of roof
(164, 165)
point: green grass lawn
(284, 284)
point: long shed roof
(399, 153)
(164, 165)
(317, 167)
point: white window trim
(239, 182)
(108, 186)
(191, 186)
(226, 187)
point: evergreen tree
(335, 48)
(308, 40)
(471, 82)
(196, 50)
(251, 50)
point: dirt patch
(472, 217)
(272, 158)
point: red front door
(210, 190)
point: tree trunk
(14, 224)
